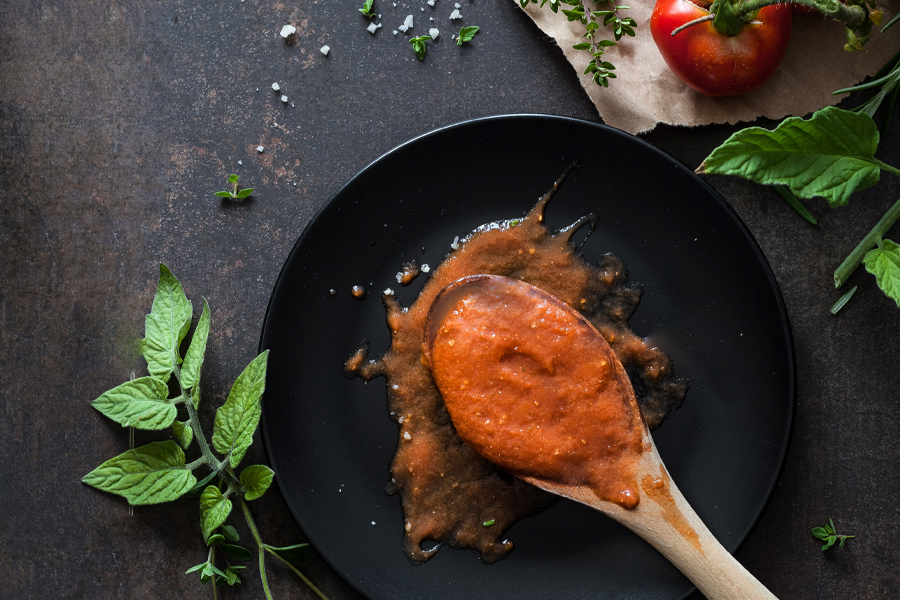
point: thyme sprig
(601, 70)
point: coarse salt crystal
(240, 162)
(431, 2)
(388, 292)
(455, 243)
(260, 149)
(287, 31)
(426, 268)
(395, 32)
(324, 50)
(276, 87)
(457, 5)
(407, 24)
(284, 99)
(455, 15)
(434, 33)
(406, 436)
(400, 277)
(372, 28)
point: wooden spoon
(533, 387)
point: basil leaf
(884, 264)
(141, 403)
(230, 533)
(256, 479)
(236, 420)
(830, 155)
(214, 509)
(146, 475)
(165, 326)
(193, 359)
(184, 434)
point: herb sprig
(234, 193)
(366, 10)
(158, 472)
(601, 71)
(828, 535)
(419, 46)
(466, 34)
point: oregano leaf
(256, 479)
(141, 403)
(193, 358)
(230, 533)
(166, 325)
(214, 509)
(237, 419)
(184, 434)
(146, 475)
(830, 155)
(884, 264)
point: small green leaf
(184, 435)
(166, 326)
(293, 554)
(214, 509)
(141, 403)
(235, 552)
(232, 178)
(419, 46)
(819, 532)
(244, 193)
(215, 539)
(225, 194)
(842, 301)
(230, 533)
(196, 568)
(146, 475)
(193, 358)
(884, 264)
(256, 479)
(489, 523)
(581, 46)
(829, 542)
(366, 10)
(237, 419)
(830, 155)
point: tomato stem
(850, 15)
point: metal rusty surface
(120, 118)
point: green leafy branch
(831, 155)
(234, 193)
(466, 34)
(601, 71)
(158, 472)
(828, 535)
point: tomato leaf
(830, 155)
(193, 359)
(256, 479)
(884, 263)
(236, 420)
(141, 403)
(146, 475)
(214, 509)
(166, 326)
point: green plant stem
(850, 263)
(212, 561)
(887, 167)
(259, 545)
(299, 574)
(850, 15)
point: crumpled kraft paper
(646, 92)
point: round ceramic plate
(710, 301)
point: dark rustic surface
(118, 119)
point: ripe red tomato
(712, 62)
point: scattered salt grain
(240, 162)
(287, 31)
(260, 149)
(324, 50)
(406, 436)
(431, 18)
(372, 28)
(395, 32)
(276, 87)
(457, 5)
(455, 15)
(373, 522)
(407, 24)
(426, 268)
(434, 33)
(284, 99)
(431, 2)
(455, 243)
(388, 292)
(422, 9)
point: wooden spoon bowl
(533, 387)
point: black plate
(710, 301)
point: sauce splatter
(447, 490)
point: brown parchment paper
(646, 92)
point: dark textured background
(118, 119)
